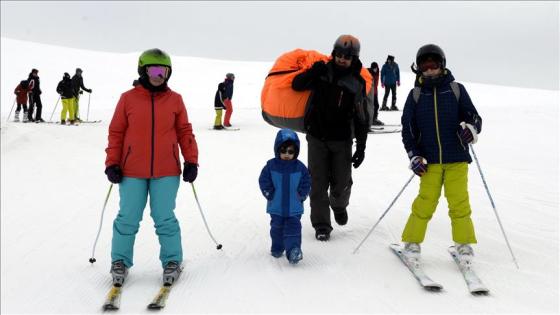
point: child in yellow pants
(439, 123)
(67, 107)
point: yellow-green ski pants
(218, 120)
(453, 177)
(67, 107)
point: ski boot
(119, 272)
(63, 122)
(377, 122)
(295, 255)
(466, 254)
(411, 253)
(39, 120)
(219, 127)
(16, 117)
(25, 118)
(394, 107)
(171, 273)
(322, 235)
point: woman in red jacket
(149, 125)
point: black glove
(81, 92)
(418, 165)
(359, 155)
(114, 174)
(89, 91)
(190, 172)
(319, 68)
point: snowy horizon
(53, 188)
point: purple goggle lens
(157, 71)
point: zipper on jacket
(340, 98)
(437, 127)
(153, 137)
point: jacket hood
(283, 136)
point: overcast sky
(507, 43)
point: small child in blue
(285, 183)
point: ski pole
(92, 259)
(493, 206)
(218, 246)
(384, 213)
(10, 114)
(54, 108)
(89, 99)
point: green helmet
(154, 56)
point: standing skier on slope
(439, 122)
(149, 124)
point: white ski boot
(16, 117)
(466, 254)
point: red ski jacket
(21, 93)
(146, 130)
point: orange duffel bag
(284, 107)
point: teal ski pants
(133, 198)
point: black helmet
(66, 75)
(348, 45)
(430, 50)
(78, 70)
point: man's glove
(398, 83)
(190, 172)
(81, 92)
(319, 68)
(89, 91)
(269, 195)
(359, 155)
(418, 165)
(467, 133)
(382, 85)
(114, 174)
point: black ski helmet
(66, 75)
(348, 45)
(433, 51)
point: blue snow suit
(285, 184)
(430, 127)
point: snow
(53, 189)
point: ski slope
(53, 188)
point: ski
(161, 298)
(475, 285)
(418, 273)
(113, 300)
(226, 129)
(380, 131)
(90, 121)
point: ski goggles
(157, 71)
(289, 151)
(429, 65)
(343, 56)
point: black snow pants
(330, 166)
